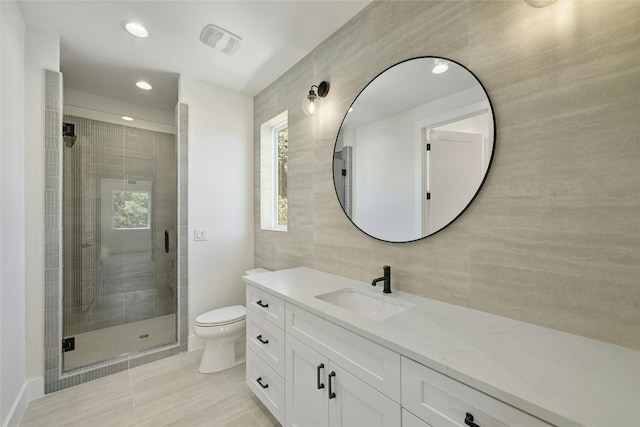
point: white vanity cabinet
(310, 372)
(265, 350)
(318, 364)
(320, 393)
(441, 401)
(335, 377)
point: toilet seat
(222, 316)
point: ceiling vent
(220, 39)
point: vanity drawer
(372, 363)
(410, 420)
(266, 305)
(266, 340)
(443, 401)
(266, 384)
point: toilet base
(218, 356)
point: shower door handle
(166, 241)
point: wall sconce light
(539, 3)
(310, 104)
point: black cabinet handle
(166, 241)
(259, 381)
(468, 420)
(259, 338)
(261, 304)
(320, 385)
(331, 393)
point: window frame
(275, 202)
(269, 168)
(113, 211)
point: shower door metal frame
(54, 377)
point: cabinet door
(305, 371)
(356, 404)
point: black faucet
(386, 278)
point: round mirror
(414, 149)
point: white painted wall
(12, 210)
(384, 177)
(220, 195)
(42, 52)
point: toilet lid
(222, 316)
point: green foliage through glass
(130, 209)
(283, 147)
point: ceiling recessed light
(440, 67)
(127, 118)
(135, 29)
(144, 85)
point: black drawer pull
(331, 393)
(261, 304)
(468, 420)
(320, 385)
(259, 338)
(259, 381)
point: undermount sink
(366, 304)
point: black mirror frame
(486, 174)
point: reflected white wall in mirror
(413, 150)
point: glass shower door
(120, 245)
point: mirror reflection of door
(452, 169)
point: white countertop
(562, 378)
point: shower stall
(120, 216)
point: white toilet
(221, 329)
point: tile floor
(169, 392)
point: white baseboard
(31, 389)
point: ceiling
(99, 57)
(405, 86)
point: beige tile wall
(554, 236)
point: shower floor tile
(109, 343)
(167, 392)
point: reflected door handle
(166, 241)
(261, 304)
(259, 338)
(259, 381)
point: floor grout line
(133, 400)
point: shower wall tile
(183, 154)
(164, 302)
(138, 305)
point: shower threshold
(110, 343)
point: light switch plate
(200, 234)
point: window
(130, 210)
(274, 145)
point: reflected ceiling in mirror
(414, 149)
